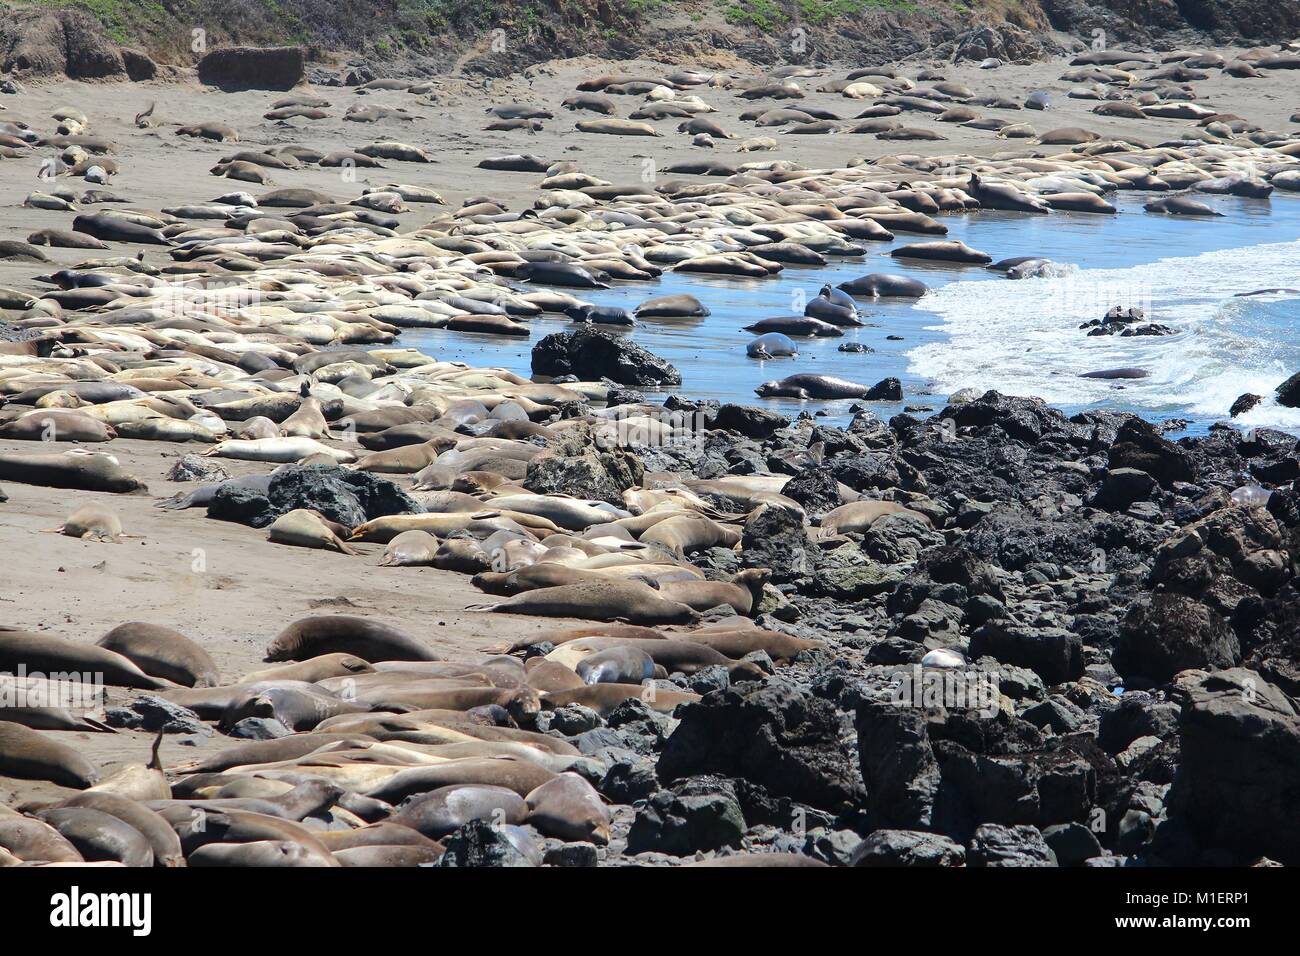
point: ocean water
(978, 329)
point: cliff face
(79, 37)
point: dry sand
(224, 584)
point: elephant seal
(611, 600)
(671, 306)
(1117, 373)
(83, 471)
(31, 755)
(162, 652)
(858, 516)
(166, 846)
(259, 853)
(53, 424)
(100, 836)
(802, 325)
(604, 698)
(616, 127)
(620, 664)
(312, 670)
(342, 633)
(1004, 196)
(410, 549)
(569, 808)
(440, 812)
(304, 528)
(548, 677)
(880, 285)
(389, 856)
(65, 239)
(111, 228)
(735, 641)
(807, 385)
(49, 653)
(92, 523)
(512, 773)
(772, 345)
(947, 250)
(742, 593)
(34, 841)
(1180, 206)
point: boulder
(1138, 445)
(898, 765)
(1169, 633)
(1238, 785)
(599, 475)
(483, 843)
(996, 845)
(910, 848)
(749, 421)
(592, 353)
(1288, 393)
(699, 814)
(772, 733)
(1053, 654)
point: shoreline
(1110, 589)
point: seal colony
(722, 622)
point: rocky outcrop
(773, 734)
(1239, 780)
(253, 68)
(593, 354)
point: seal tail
(481, 607)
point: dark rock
(1138, 445)
(886, 390)
(771, 733)
(196, 468)
(481, 843)
(1288, 393)
(815, 489)
(1138, 715)
(1244, 403)
(775, 538)
(572, 854)
(1072, 843)
(749, 421)
(1169, 633)
(1239, 779)
(898, 766)
(574, 466)
(348, 497)
(573, 719)
(253, 68)
(996, 845)
(155, 714)
(913, 848)
(628, 781)
(1053, 654)
(1122, 487)
(593, 353)
(700, 814)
